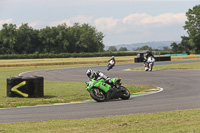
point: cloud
(79, 19)
(106, 23)
(5, 21)
(139, 22)
(134, 22)
(160, 20)
(138, 26)
(37, 24)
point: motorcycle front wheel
(125, 93)
(109, 67)
(98, 95)
(150, 66)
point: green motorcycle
(100, 90)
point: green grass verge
(63, 61)
(185, 121)
(55, 92)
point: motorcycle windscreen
(114, 80)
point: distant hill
(154, 45)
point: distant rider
(148, 54)
(113, 58)
(99, 75)
(111, 62)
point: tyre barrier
(163, 58)
(139, 60)
(28, 87)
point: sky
(121, 21)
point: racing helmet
(90, 73)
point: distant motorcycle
(110, 64)
(149, 64)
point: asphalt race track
(181, 91)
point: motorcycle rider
(99, 75)
(112, 60)
(148, 54)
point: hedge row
(72, 55)
(65, 55)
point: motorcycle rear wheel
(98, 95)
(125, 93)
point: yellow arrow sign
(15, 89)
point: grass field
(55, 92)
(79, 61)
(184, 121)
(63, 61)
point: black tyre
(125, 93)
(98, 95)
(109, 67)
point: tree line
(190, 43)
(59, 39)
(83, 38)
